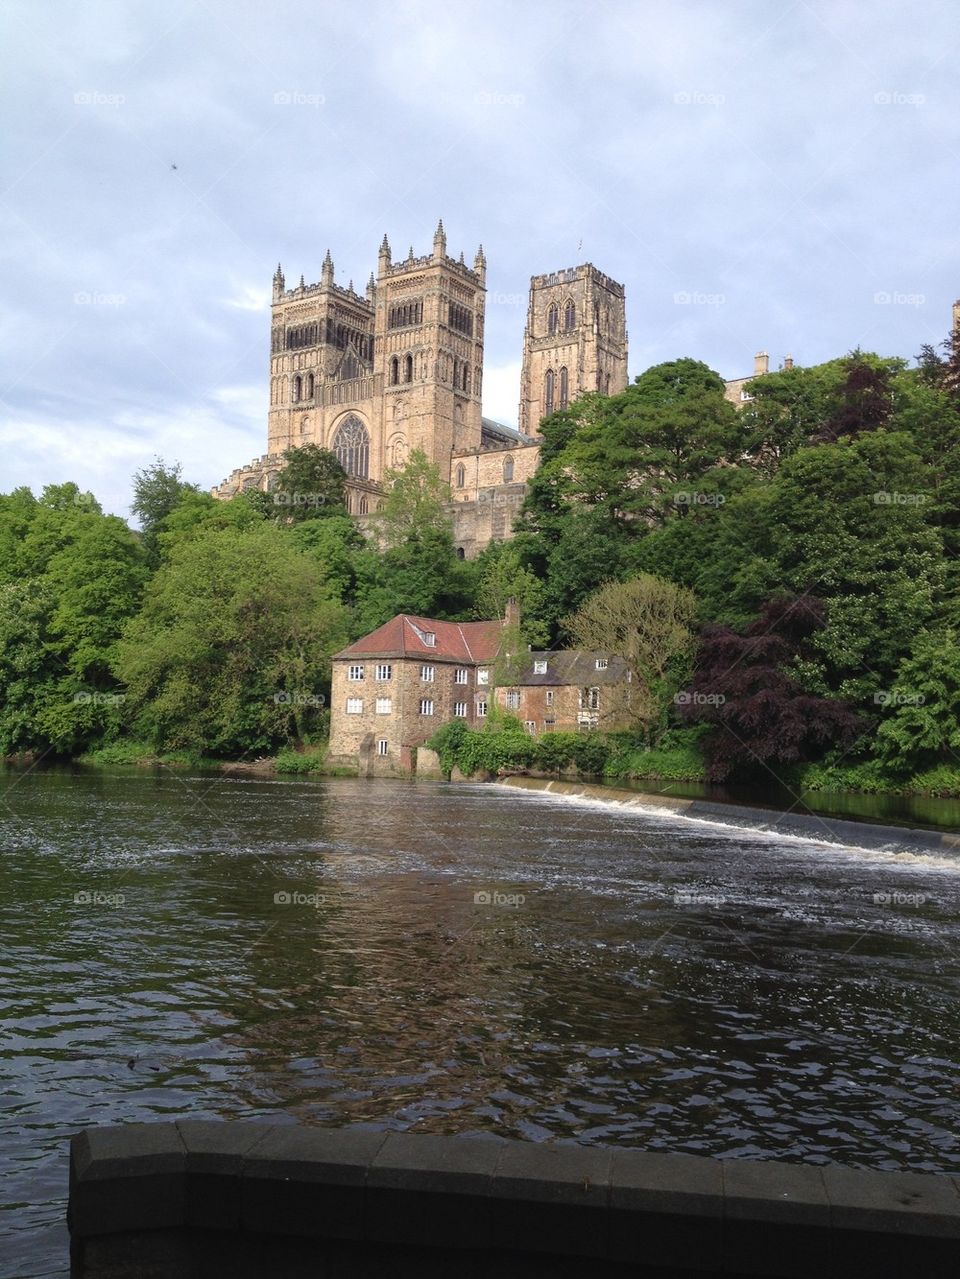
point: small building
(569, 689)
(392, 689)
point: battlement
(303, 291)
(571, 274)
(423, 263)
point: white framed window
(548, 697)
(460, 709)
(427, 674)
(481, 709)
(384, 671)
(602, 663)
(355, 672)
(590, 699)
(354, 705)
(530, 726)
(548, 725)
(384, 705)
(540, 666)
(513, 700)
(426, 706)
(430, 639)
(483, 675)
(382, 746)
(461, 676)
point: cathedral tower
(575, 341)
(321, 336)
(429, 352)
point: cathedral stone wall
(372, 376)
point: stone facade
(575, 341)
(567, 690)
(392, 689)
(373, 376)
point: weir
(200, 1198)
(814, 826)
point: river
(453, 958)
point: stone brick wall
(358, 734)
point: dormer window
(430, 639)
(601, 663)
(540, 667)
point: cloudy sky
(760, 174)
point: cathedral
(373, 376)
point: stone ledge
(490, 1206)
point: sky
(759, 174)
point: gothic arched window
(466, 378)
(352, 447)
(563, 388)
(461, 475)
(548, 392)
(508, 470)
(297, 388)
(569, 315)
(309, 391)
(553, 318)
(364, 505)
(408, 369)
(394, 371)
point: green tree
(230, 651)
(647, 622)
(158, 490)
(311, 486)
(920, 727)
(416, 503)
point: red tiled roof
(456, 641)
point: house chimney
(511, 616)
(788, 361)
(761, 364)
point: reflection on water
(459, 958)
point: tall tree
(647, 622)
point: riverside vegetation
(782, 579)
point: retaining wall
(209, 1199)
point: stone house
(567, 690)
(392, 689)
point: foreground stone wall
(198, 1198)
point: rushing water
(316, 952)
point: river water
(454, 958)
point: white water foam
(763, 834)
